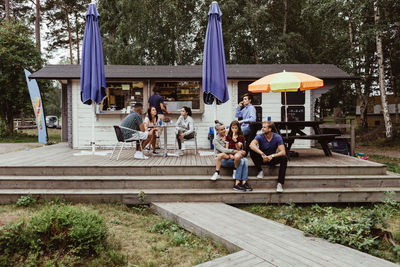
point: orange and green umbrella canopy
(285, 82)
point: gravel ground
(11, 147)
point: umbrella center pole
(93, 143)
(286, 118)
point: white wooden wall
(105, 136)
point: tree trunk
(362, 100)
(394, 89)
(10, 122)
(378, 35)
(70, 39)
(7, 7)
(37, 26)
(77, 39)
(285, 3)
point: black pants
(189, 136)
(282, 161)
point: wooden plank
(288, 243)
(239, 259)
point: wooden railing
(27, 123)
(351, 135)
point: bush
(26, 201)
(57, 230)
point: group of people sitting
(266, 148)
(231, 149)
(149, 130)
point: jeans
(246, 129)
(282, 161)
(241, 170)
(189, 136)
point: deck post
(352, 137)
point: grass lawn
(31, 136)
(145, 238)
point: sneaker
(260, 175)
(234, 174)
(239, 187)
(247, 187)
(279, 188)
(183, 146)
(179, 152)
(215, 176)
(139, 155)
(155, 153)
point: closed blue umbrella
(93, 80)
(215, 85)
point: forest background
(359, 36)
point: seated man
(134, 121)
(247, 112)
(263, 151)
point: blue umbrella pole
(215, 118)
(93, 118)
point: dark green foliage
(58, 230)
(178, 236)
(17, 51)
(26, 201)
(364, 228)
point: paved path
(265, 242)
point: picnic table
(294, 130)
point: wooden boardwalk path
(264, 242)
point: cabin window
(121, 96)
(177, 94)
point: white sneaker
(179, 152)
(183, 146)
(139, 155)
(234, 174)
(279, 188)
(215, 176)
(260, 175)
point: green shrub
(72, 232)
(26, 201)
(63, 226)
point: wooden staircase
(303, 185)
(56, 171)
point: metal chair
(191, 139)
(121, 139)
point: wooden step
(370, 169)
(238, 259)
(145, 196)
(193, 182)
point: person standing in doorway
(268, 148)
(157, 101)
(247, 112)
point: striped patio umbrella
(285, 82)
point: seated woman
(184, 127)
(151, 122)
(228, 157)
(235, 140)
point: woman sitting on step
(228, 157)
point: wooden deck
(57, 171)
(60, 155)
(262, 242)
